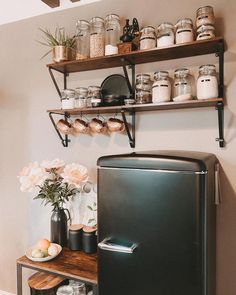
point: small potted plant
(62, 46)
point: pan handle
(108, 245)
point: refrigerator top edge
(161, 160)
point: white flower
(75, 174)
(54, 164)
(31, 176)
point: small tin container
(89, 239)
(75, 236)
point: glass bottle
(161, 88)
(165, 35)
(182, 85)
(112, 34)
(67, 99)
(184, 31)
(94, 96)
(97, 37)
(81, 97)
(82, 39)
(205, 16)
(205, 32)
(148, 38)
(207, 84)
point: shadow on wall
(226, 220)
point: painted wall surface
(26, 92)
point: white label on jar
(111, 49)
(164, 41)
(161, 91)
(67, 103)
(184, 35)
(207, 87)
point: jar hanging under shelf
(112, 34)
(205, 32)
(182, 85)
(184, 31)
(207, 84)
(161, 88)
(205, 16)
(67, 99)
(82, 39)
(97, 37)
(165, 35)
(148, 38)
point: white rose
(75, 174)
(54, 164)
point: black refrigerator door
(158, 212)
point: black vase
(59, 226)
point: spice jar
(82, 39)
(67, 99)
(112, 34)
(182, 85)
(184, 31)
(148, 38)
(205, 32)
(89, 239)
(205, 16)
(94, 96)
(143, 82)
(165, 35)
(97, 37)
(75, 236)
(143, 96)
(161, 88)
(207, 85)
(81, 97)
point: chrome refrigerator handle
(107, 245)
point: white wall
(26, 91)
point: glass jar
(205, 32)
(97, 37)
(148, 38)
(65, 290)
(94, 96)
(67, 99)
(81, 97)
(161, 88)
(182, 85)
(112, 34)
(205, 16)
(184, 31)
(143, 96)
(78, 288)
(165, 35)
(143, 82)
(82, 39)
(207, 85)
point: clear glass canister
(205, 16)
(81, 97)
(94, 96)
(112, 34)
(143, 96)
(67, 99)
(184, 31)
(207, 84)
(205, 32)
(148, 38)
(161, 88)
(82, 39)
(182, 85)
(97, 37)
(143, 82)
(165, 35)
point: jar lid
(81, 89)
(205, 28)
(76, 227)
(82, 24)
(181, 72)
(143, 76)
(165, 25)
(147, 28)
(184, 21)
(96, 19)
(89, 229)
(94, 88)
(207, 68)
(161, 74)
(204, 9)
(112, 17)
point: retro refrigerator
(156, 223)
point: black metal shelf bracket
(131, 135)
(55, 82)
(131, 86)
(64, 140)
(220, 109)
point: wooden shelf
(142, 108)
(139, 57)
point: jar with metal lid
(205, 16)
(184, 31)
(161, 88)
(205, 32)
(143, 82)
(67, 99)
(207, 84)
(182, 85)
(148, 38)
(81, 97)
(94, 96)
(165, 35)
(112, 34)
(143, 96)
(97, 37)
(82, 39)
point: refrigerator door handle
(107, 245)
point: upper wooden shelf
(138, 57)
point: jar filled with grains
(97, 37)
(165, 35)
(143, 82)
(82, 39)
(143, 96)
(112, 34)
(94, 96)
(182, 85)
(81, 97)
(205, 16)
(205, 32)
(184, 31)
(148, 38)
(161, 88)
(207, 85)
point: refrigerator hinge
(217, 184)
